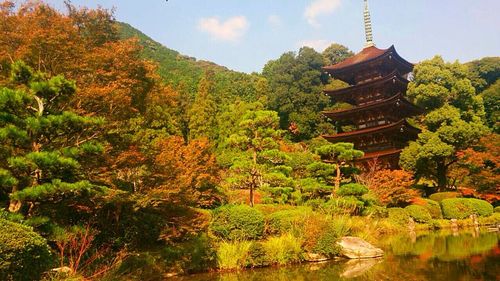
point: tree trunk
(254, 178)
(337, 180)
(441, 171)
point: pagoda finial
(368, 27)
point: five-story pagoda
(378, 82)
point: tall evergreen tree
(43, 143)
(203, 113)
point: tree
(296, 84)
(259, 132)
(454, 121)
(491, 99)
(43, 143)
(480, 165)
(186, 173)
(434, 152)
(393, 187)
(484, 72)
(338, 155)
(203, 113)
(336, 53)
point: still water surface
(468, 255)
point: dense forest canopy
(111, 138)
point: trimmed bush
(440, 196)
(352, 189)
(288, 220)
(433, 207)
(282, 250)
(24, 254)
(497, 209)
(326, 240)
(237, 222)
(398, 216)
(419, 213)
(233, 255)
(461, 208)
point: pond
(467, 255)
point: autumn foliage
(187, 170)
(393, 187)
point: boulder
(357, 248)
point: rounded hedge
(282, 222)
(461, 208)
(440, 196)
(237, 222)
(434, 208)
(419, 213)
(24, 254)
(497, 209)
(398, 216)
(352, 189)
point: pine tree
(43, 145)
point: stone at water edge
(357, 248)
(312, 257)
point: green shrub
(352, 189)
(343, 206)
(376, 212)
(398, 216)
(283, 249)
(24, 254)
(440, 196)
(257, 256)
(326, 240)
(497, 209)
(434, 208)
(237, 222)
(233, 255)
(287, 220)
(419, 213)
(194, 254)
(461, 208)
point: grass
(233, 255)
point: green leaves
(339, 152)
(56, 189)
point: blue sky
(243, 34)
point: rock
(357, 248)
(358, 267)
(312, 257)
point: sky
(244, 35)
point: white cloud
(230, 30)
(275, 21)
(319, 8)
(319, 45)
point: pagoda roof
(367, 55)
(402, 124)
(409, 108)
(393, 77)
(380, 154)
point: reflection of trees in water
(434, 256)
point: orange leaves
(187, 169)
(393, 188)
(83, 45)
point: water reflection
(431, 256)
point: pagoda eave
(399, 127)
(394, 78)
(368, 56)
(395, 104)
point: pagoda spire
(368, 27)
